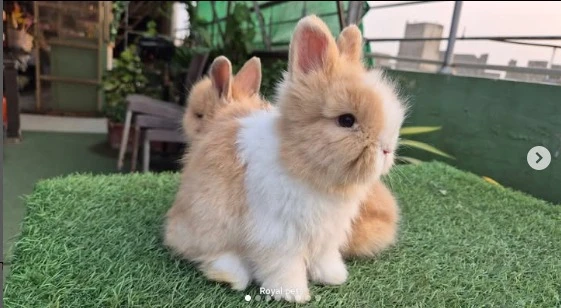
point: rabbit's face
(394, 110)
(201, 107)
(339, 122)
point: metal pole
(507, 39)
(126, 32)
(446, 69)
(266, 40)
(215, 18)
(353, 13)
(340, 12)
(552, 58)
(383, 6)
(304, 9)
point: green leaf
(413, 130)
(423, 146)
(410, 160)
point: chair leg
(135, 146)
(146, 155)
(124, 140)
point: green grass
(95, 242)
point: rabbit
(209, 95)
(271, 196)
(375, 226)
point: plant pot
(115, 134)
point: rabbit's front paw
(329, 269)
(286, 280)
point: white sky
(485, 18)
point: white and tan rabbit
(272, 196)
(373, 230)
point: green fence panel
(280, 18)
(488, 126)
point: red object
(5, 111)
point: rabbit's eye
(346, 120)
(199, 115)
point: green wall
(489, 126)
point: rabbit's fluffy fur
(209, 96)
(270, 194)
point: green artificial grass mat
(95, 241)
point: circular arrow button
(538, 158)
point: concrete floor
(42, 123)
(50, 146)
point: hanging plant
(118, 9)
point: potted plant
(126, 77)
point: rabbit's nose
(386, 151)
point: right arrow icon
(543, 158)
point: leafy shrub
(126, 77)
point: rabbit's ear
(221, 77)
(350, 43)
(248, 80)
(312, 47)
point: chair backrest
(194, 73)
(142, 104)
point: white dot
(318, 298)
(268, 298)
(258, 297)
(247, 298)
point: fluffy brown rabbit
(271, 196)
(211, 94)
(374, 229)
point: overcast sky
(485, 18)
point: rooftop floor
(51, 146)
(42, 155)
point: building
(514, 75)
(554, 79)
(470, 59)
(428, 50)
(534, 77)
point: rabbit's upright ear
(312, 47)
(350, 43)
(248, 79)
(221, 77)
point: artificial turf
(94, 241)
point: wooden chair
(161, 116)
(143, 124)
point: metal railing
(447, 63)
